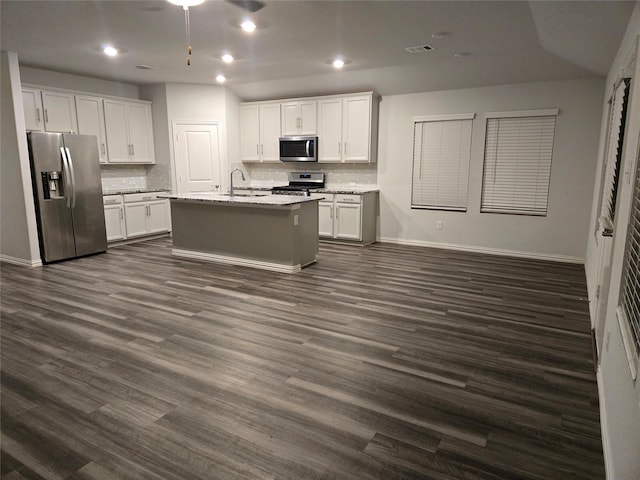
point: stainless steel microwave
(299, 149)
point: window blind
(517, 162)
(441, 152)
(631, 267)
(614, 150)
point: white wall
(177, 102)
(18, 232)
(560, 235)
(79, 83)
(619, 393)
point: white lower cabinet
(348, 220)
(114, 218)
(351, 217)
(135, 215)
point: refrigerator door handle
(66, 177)
(73, 178)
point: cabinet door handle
(104, 149)
(121, 214)
(346, 150)
(133, 149)
(46, 116)
(339, 148)
(38, 114)
(257, 149)
(262, 149)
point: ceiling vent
(419, 49)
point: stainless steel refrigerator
(67, 189)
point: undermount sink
(236, 195)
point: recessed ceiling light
(227, 58)
(338, 63)
(110, 50)
(248, 26)
(221, 78)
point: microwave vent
(419, 49)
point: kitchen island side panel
(259, 234)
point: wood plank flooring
(384, 362)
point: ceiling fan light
(186, 3)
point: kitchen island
(274, 232)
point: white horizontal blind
(631, 268)
(517, 164)
(441, 152)
(614, 150)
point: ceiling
(289, 54)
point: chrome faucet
(231, 179)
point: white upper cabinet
(346, 125)
(330, 130)
(299, 117)
(129, 131)
(347, 129)
(91, 122)
(140, 132)
(59, 112)
(49, 111)
(260, 132)
(356, 129)
(32, 104)
(123, 127)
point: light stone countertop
(269, 201)
(124, 191)
(343, 189)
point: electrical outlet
(438, 224)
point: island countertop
(268, 201)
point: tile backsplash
(123, 177)
(336, 174)
(131, 177)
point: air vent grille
(419, 49)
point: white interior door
(197, 157)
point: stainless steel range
(301, 183)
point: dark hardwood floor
(385, 362)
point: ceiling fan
(250, 6)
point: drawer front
(342, 198)
(112, 199)
(141, 197)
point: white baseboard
(487, 250)
(23, 262)
(212, 257)
(604, 428)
